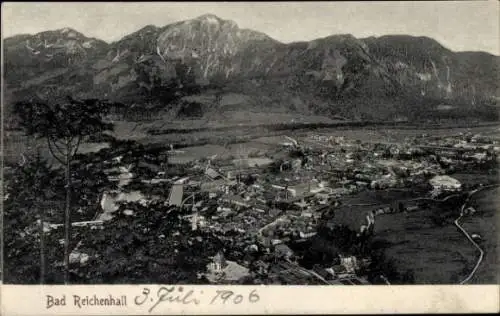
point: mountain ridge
(396, 75)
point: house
(236, 200)
(261, 267)
(331, 272)
(212, 173)
(216, 186)
(304, 235)
(221, 270)
(182, 181)
(218, 262)
(196, 220)
(223, 212)
(301, 189)
(110, 202)
(349, 263)
(340, 272)
(92, 224)
(234, 271)
(78, 257)
(212, 195)
(306, 214)
(445, 183)
(297, 164)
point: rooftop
(176, 194)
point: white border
(31, 300)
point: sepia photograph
(250, 143)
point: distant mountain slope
(51, 61)
(192, 51)
(423, 63)
(389, 77)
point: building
(218, 262)
(176, 194)
(231, 171)
(261, 267)
(305, 235)
(349, 263)
(222, 271)
(236, 200)
(216, 186)
(445, 183)
(110, 202)
(212, 173)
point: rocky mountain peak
(334, 74)
(209, 18)
(70, 33)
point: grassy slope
(485, 223)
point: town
(304, 209)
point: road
(467, 235)
(457, 223)
(481, 252)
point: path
(467, 235)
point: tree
(276, 166)
(27, 190)
(63, 126)
(155, 244)
(249, 180)
(340, 235)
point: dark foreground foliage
(154, 245)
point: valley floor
(287, 200)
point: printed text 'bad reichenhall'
(83, 301)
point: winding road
(457, 223)
(467, 235)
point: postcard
(250, 157)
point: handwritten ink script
(154, 297)
(179, 295)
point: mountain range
(375, 78)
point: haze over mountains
(384, 78)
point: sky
(458, 25)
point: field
(249, 132)
(353, 210)
(485, 223)
(15, 143)
(399, 133)
(440, 254)
(247, 124)
(436, 254)
(229, 151)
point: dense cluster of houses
(266, 211)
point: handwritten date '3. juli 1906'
(178, 294)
